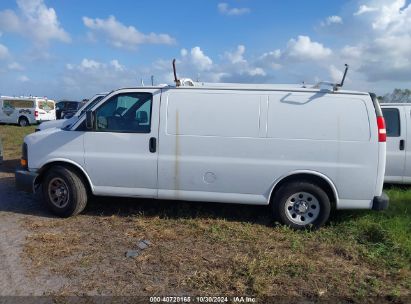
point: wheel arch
(306, 175)
(21, 116)
(68, 164)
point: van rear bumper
(380, 202)
(25, 180)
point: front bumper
(25, 180)
(380, 202)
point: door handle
(153, 144)
(402, 144)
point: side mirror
(89, 120)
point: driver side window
(127, 113)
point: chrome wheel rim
(302, 208)
(58, 192)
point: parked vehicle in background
(303, 151)
(26, 110)
(71, 110)
(62, 123)
(67, 107)
(398, 120)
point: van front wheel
(64, 191)
(301, 205)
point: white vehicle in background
(398, 120)
(25, 111)
(62, 123)
(303, 151)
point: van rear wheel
(301, 205)
(64, 191)
(23, 122)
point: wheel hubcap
(302, 208)
(58, 192)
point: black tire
(23, 122)
(56, 180)
(292, 196)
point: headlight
(24, 160)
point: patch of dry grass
(202, 249)
(12, 139)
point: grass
(220, 249)
(12, 139)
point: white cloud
(33, 20)
(225, 9)
(332, 20)
(89, 64)
(305, 49)
(91, 76)
(23, 78)
(351, 52)
(15, 66)
(257, 72)
(365, 9)
(183, 52)
(270, 59)
(116, 65)
(197, 58)
(393, 17)
(236, 56)
(4, 52)
(234, 66)
(383, 53)
(122, 36)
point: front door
(396, 134)
(121, 152)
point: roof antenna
(177, 81)
(340, 85)
(335, 86)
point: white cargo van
(27, 110)
(300, 150)
(398, 120)
(61, 123)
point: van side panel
(235, 146)
(14, 108)
(330, 134)
(209, 143)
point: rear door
(396, 134)
(46, 110)
(407, 173)
(121, 153)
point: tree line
(397, 96)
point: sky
(75, 49)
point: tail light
(36, 114)
(382, 132)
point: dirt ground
(15, 207)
